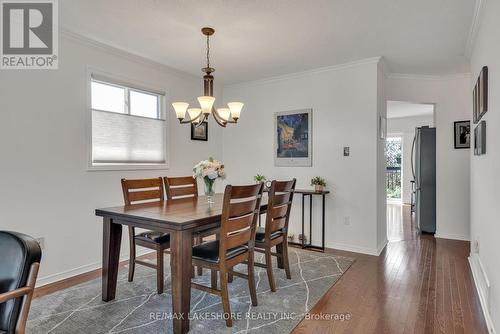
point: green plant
(318, 181)
(394, 192)
(259, 178)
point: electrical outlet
(475, 246)
(347, 220)
(41, 242)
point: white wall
(46, 190)
(485, 180)
(451, 96)
(404, 127)
(344, 104)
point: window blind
(122, 138)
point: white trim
(354, 249)
(134, 83)
(382, 246)
(306, 73)
(428, 77)
(451, 236)
(81, 270)
(482, 285)
(119, 52)
(474, 27)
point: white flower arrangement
(211, 169)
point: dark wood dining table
(179, 217)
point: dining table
(178, 217)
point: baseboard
(451, 236)
(50, 279)
(354, 249)
(382, 246)
(482, 287)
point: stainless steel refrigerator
(424, 174)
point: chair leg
(269, 268)
(131, 261)
(286, 263)
(279, 250)
(251, 278)
(213, 278)
(159, 270)
(225, 298)
(230, 276)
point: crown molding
(296, 75)
(116, 51)
(474, 27)
(428, 77)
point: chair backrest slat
(183, 186)
(279, 206)
(142, 190)
(240, 211)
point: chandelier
(222, 116)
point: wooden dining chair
(146, 190)
(184, 187)
(236, 244)
(275, 232)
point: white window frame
(135, 85)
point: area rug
(139, 309)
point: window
(128, 125)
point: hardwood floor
(418, 284)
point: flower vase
(209, 189)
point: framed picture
(462, 134)
(382, 125)
(293, 138)
(480, 96)
(480, 138)
(199, 131)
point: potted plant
(319, 183)
(259, 178)
(209, 171)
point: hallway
(419, 284)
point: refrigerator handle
(412, 158)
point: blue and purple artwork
(292, 135)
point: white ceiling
(398, 109)
(262, 38)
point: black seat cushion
(157, 237)
(209, 251)
(260, 235)
(18, 252)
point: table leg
(180, 259)
(111, 237)
(302, 241)
(323, 226)
(310, 219)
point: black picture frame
(480, 96)
(199, 131)
(462, 134)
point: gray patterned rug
(139, 309)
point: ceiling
(256, 39)
(398, 109)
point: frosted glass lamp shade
(224, 113)
(180, 109)
(193, 113)
(206, 103)
(235, 108)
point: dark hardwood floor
(418, 284)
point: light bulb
(206, 103)
(180, 109)
(235, 108)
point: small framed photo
(293, 138)
(462, 134)
(480, 138)
(199, 131)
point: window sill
(119, 167)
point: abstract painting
(293, 138)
